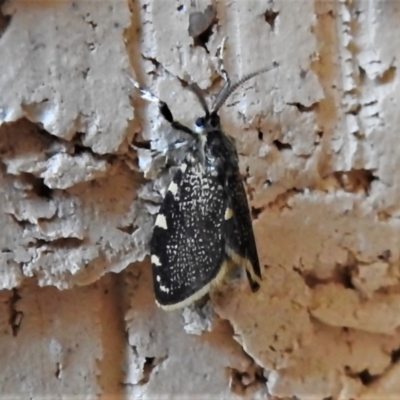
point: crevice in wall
(388, 76)
(58, 372)
(303, 108)
(4, 20)
(201, 26)
(62, 243)
(271, 18)
(310, 279)
(256, 211)
(281, 145)
(129, 229)
(364, 376)
(40, 188)
(15, 316)
(77, 147)
(141, 144)
(157, 65)
(355, 180)
(247, 382)
(385, 256)
(395, 356)
(22, 223)
(344, 275)
(149, 365)
(35, 186)
(282, 200)
(24, 136)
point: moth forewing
(187, 238)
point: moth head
(208, 123)
(211, 121)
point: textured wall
(318, 145)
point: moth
(204, 224)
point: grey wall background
(318, 145)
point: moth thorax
(202, 137)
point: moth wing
(238, 231)
(187, 247)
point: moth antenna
(222, 97)
(195, 88)
(223, 73)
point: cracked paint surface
(83, 172)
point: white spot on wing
(164, 289)
(228, 213)
(183, 167)
(155, 260)
(161, 221)
(173, 188)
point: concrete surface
(318, 145)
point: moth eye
(214, 121)
(199, 122)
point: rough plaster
(82, 174)
(55, 344)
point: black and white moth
(204, 223)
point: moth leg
(177, 144)
(172, 147)
(162, 106)
(221, 66)
(172, 154)
(254, 285)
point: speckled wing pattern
(187, 247)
